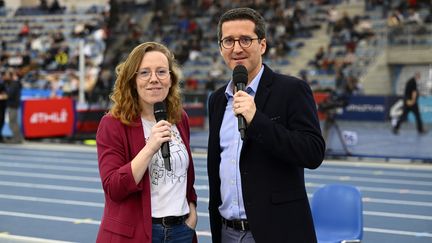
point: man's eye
(245, 40)
(229, 41)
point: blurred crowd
(45, 53)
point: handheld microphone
(160, 113)
(240, 78)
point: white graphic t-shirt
(168, 188)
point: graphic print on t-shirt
(179, 163)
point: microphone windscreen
(159, 111)
(240, 75)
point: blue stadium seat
(337, 211)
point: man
(411, 96)
(13, 92)
(3, 104)
(257, 189)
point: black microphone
(160, 113)
(240, 78)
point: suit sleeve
(297, 139)
(213, 159)
(114, 168)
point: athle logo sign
(48, 118)
(53, 117)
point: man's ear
(263, 45)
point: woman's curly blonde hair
(124, 97)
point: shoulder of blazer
(183, 125)
(269, 77)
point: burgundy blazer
(127, 212)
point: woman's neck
(147, 113)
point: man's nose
(237, 47)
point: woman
(143, 201)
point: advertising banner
(48, 117)
(365, 108)
(425, 105)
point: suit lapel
(263, 91)
(220, 110)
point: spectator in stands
(332, 18)
(253, 181)
(55, 7)
(25, 30)
(340, 81)
(13, 91)
(43, 5)
(353, 86)
(319, 55)
(395, 19)
(191, 84)
(411, 96)
(414, 17)
(142, 197)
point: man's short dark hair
(243, 14)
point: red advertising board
(48, 117)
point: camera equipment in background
(333, 102)
(330, 106)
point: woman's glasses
(145, 74)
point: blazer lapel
(136, 134)
(264, 91)
(220, 110)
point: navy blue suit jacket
(283, 138)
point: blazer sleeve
(295, 137)
(114, 165)
(185, 131)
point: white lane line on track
(197, 177)
(65, 177)
(374, 172)
(52, 200)
(365, 164)
(64, 201)
(356, 171)
(50, 187)
(397, 215)
(48, 160)
(48, 167)
(391, 201)
(49, 217)
(201, 188)
(206, 200)
(200, 233)
(51, 147)
(396, 202)
(69, 188)
(398, 232)
(201, 199)
(74, 220)
(51, 176)
(402, 191)
(369, 179)
(5, 237)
